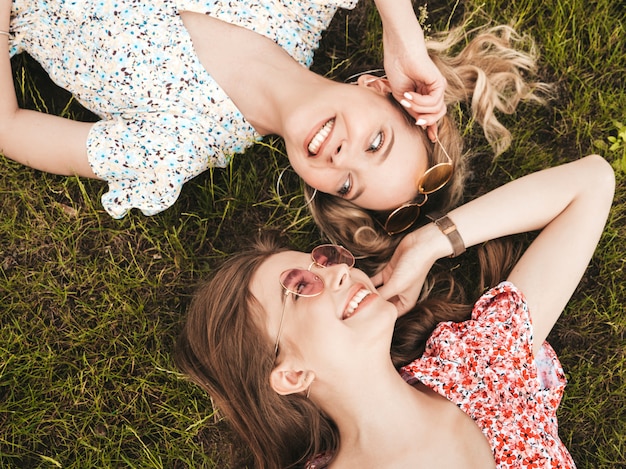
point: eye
(345, 188)
(297, 288)
(299, 282)
(377, 143)
(300, 288)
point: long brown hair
(225, 350)
(492, 72)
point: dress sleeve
(486, 367)
(347, 4)
(499, 330)
(502, 320)
(467, 362)
(147, 157)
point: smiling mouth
(355, 302)
(322, 134)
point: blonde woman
(181, 86)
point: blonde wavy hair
(491, 69)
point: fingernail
(405, 103)
(408, 96)
(420, 122)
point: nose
(337, 157)
(334, 275)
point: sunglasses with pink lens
(304, 283)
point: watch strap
(448, 228)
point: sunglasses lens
(301, 282)
(401, 219)
(330, 254)
(435, 178)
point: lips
(354, 303)
(320, 137)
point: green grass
(90, 306)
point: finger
(400, 305)
(437, 110)
(432, 101)
(431, 114)
(377, 279)
(432, 132)
(427, 114)
(427, 120)
(420, 118)
(427, 103)
(386, 293)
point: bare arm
(569, 202)
(415, 80)
(554, 263)
(41, 141)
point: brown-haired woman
(294, 347)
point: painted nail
(405, 103)
(420, 122)
(408, 96)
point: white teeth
(321, 135)
(356, 300)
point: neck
(257, 74)
(278, 85)
(375, 412)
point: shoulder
(499, 331)
(501, 325)
(504, 292)
(502, 303)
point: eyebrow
(382, 159)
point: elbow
(603, 176)
(600, 181)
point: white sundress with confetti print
(131, 62)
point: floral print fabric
(132, 62)
(486, 367)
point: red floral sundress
(486, 367)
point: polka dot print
(164, 120)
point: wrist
(430, 242)
(398, 17)
(447, 228)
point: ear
(378, 84)
(287, 381)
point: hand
(402, 278)
(415, 80)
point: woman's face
(352, 142)
(346, 317)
